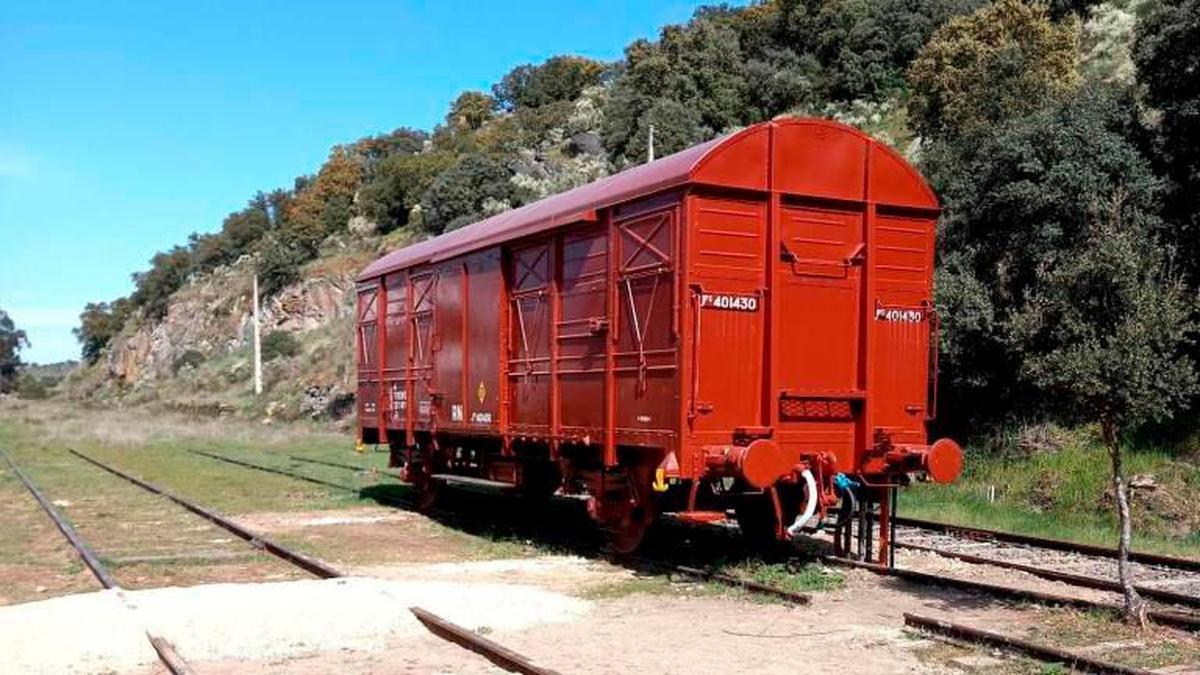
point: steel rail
(492, 651)
(281, 472)
(311, 565)
(1085, 581)
(1036, 650)
(1179, 620)
(165, 650)
(1042, 542)
(85, 553)
(751, 586)
(339, 465)
(390, 501)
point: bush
(279, 265)
(189, 359)
(30, 387)
(279, 344)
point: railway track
(1165, 580)
(1169, 617)
(494, 652)
(673, 568)
(170, 659)
(984, 535)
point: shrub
(189, 359)
(279, 344)
(30, 387)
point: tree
(470, 111)
(1104, 335)
(560, 78)
(1167, 63)
(397, 187)
(323, 206)
(168, 272)
(98, 325)
(12, 341)
(1018, 199)
(1004, 61)
(698, 66)
(474, 187)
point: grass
(1062, 494)
(793, 578)
(1109, 639)
(120, 520)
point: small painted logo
(481, 392)
(729, 301)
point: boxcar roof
(748, 150)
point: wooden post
(257, 343)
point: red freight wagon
(746, 324)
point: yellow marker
(660, 483)
(359, 447)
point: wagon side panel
(582, 331)
(449, 353)
(530, 316)
(483, 341)
(646, 326)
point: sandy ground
(560, 611)
(362, 625)
(261, 622)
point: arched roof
(816, 157)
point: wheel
(422, 477)
(628, 533)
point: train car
(742, 327)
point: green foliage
(188, 359)
(98, 325)
(279, 344)
(474, 187)
(168, 272)
(12, 341)
(560, 78)
(31, 388)
(279, 264)
(1104, 332)
(323, 206)
(1168, 64)
(1019, 202)
(697, 67)
(470, 111)
(397, 186)
(733, 67)
(1004, 61)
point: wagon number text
(737, 303)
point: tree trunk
(1134, 610)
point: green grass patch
(809, 577)
(1064, 493)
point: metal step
(473, 484)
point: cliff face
(199, 356)
(212, 316)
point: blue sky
(124, 126)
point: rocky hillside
(198, 357)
